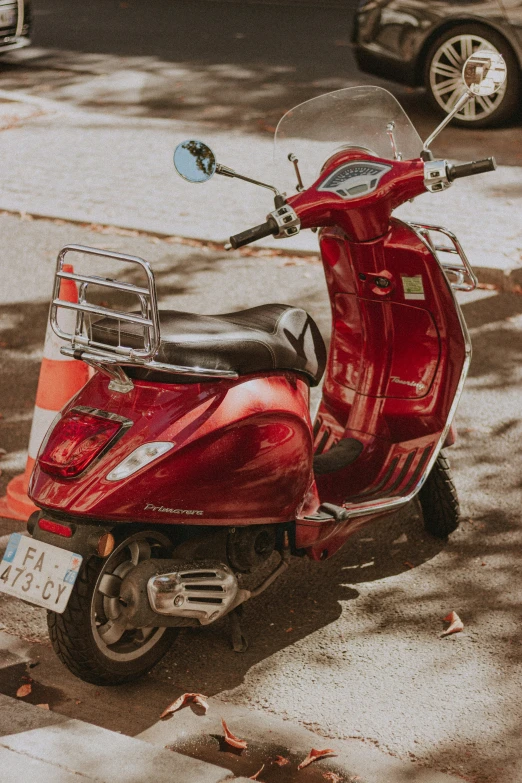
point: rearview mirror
(484, 72)
(194, 161)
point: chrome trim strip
(98, 357)
(21, 15)
(390, 504)
(17, 44)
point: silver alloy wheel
(109, 627)
(446, 77)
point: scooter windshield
(353, 117)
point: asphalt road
(237, 65)
(351, 647)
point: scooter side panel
(242, 454)
(396, 399)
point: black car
(426, 43)
(15, 24)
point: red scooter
(189, 457)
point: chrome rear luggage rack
(107, 358)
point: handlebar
(252, 234)
(468, 169)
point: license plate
(8, 18)
(39, 573)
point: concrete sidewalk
(51, 748)
(39, 745)
(107, 169)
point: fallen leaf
(288, 630)
(281, 761)
(517, 289)
(314, 755)
(43, 706)
(456, 624)
(403, 538)
(259, 771)
(23, 690)
(196, 698)
(230, 739)
(407, 563)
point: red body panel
(393, 369)
(243, 449)
(242, 454)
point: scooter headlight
(138, 459)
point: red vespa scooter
(189, 458)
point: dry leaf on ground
(281, 761)
(316, 754)
(23, 690)
(456, 624)
(230, 739)
(259, 771)
(43, 706)
(196, 698)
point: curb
(51, 748)
(505, 280)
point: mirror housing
(194, 161)
(483, 73)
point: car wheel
(443, 76)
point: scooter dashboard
(354, 179)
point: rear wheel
(92, 637)
(443, 76)
(439, 501)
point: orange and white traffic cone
(60, 379)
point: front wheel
(92, 637)
(439, 501)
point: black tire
(465, 39)
(439, 501)
(74, 634)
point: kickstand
(239, 640)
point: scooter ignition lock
(381, 282)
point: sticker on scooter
(413, 287)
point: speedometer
(354, 179)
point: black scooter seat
(268, 337)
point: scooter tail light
(76, 440)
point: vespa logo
(188, 512)
(419, 386)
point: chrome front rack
(110, 359)
(464, 278)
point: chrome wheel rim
(111, 633)
(446, 78)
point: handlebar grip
(251, 234)
(468, 169)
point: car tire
(443, 81)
